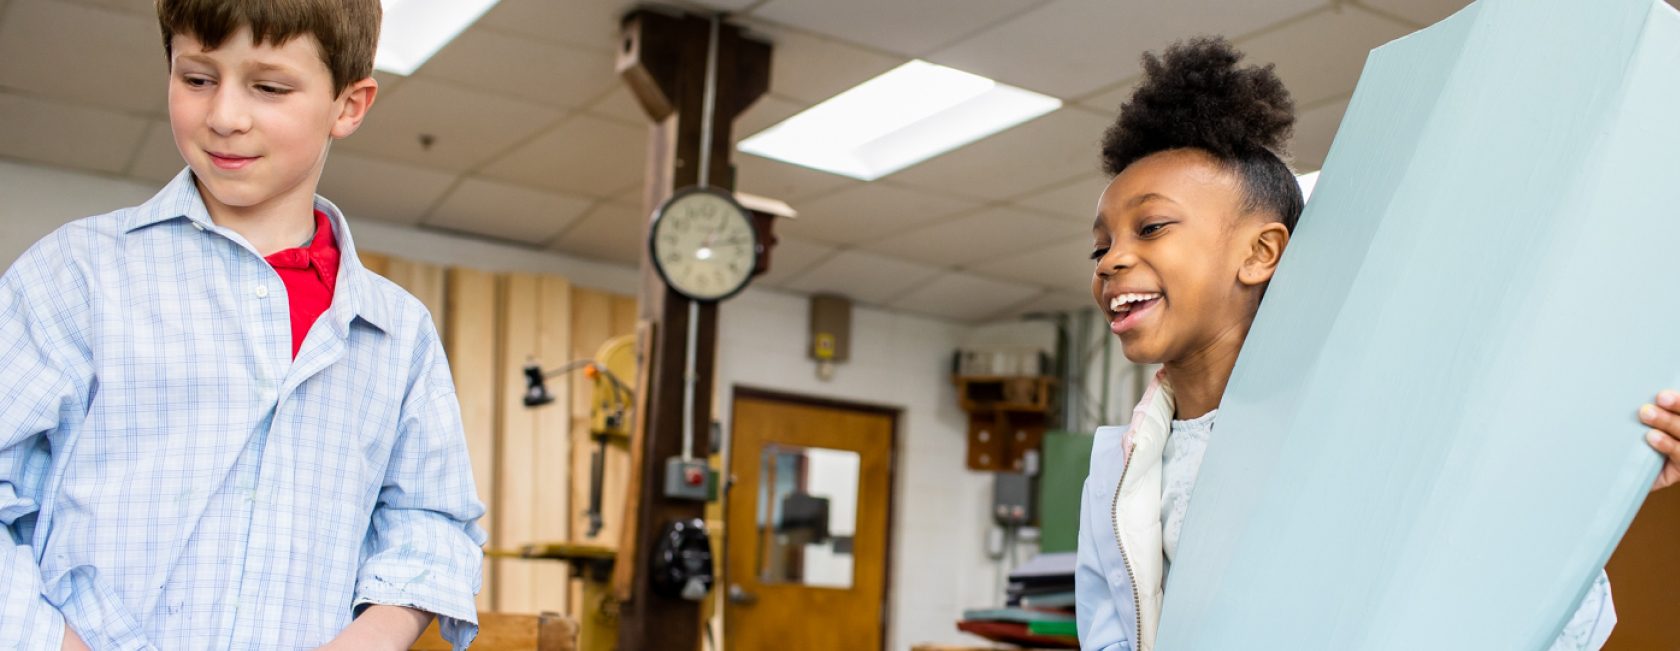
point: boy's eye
(195, 81)
(273, 90)
(1151, 229)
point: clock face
(704, 245)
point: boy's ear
(1265, 249)
(357, 98)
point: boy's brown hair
(347, 30)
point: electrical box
(1012, 499)
(831, 328)
(688, 480)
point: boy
(219, 430)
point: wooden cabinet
(1007, 417)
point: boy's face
(254, 121)
(1170, 242)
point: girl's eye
(1151, 229)
(1099, 253)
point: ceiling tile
(590, 23)
(792, 257)
(975, 238)
(585, 155)
(870, 211)
(1314, 130)
(767, 112)
(1051, 302)
(812, 68)
(1062, 266)
(620, 106)
(1108, 100)
(1056, 147)
(468, 127)
(527, 68)
(1422, 12)
(84, 54)
(1321, 56)
(778, 180)
(1075, 202)
(865, 277)
(508, 212)
(374, 189)
(908, 28)
(725, 5)
(73, 136)
(964, 297)
(145, 8)
(610, 232)
(1069, 48)
(159, 160)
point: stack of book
(1038, 608)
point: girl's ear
(1265, 249)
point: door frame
(895, 415)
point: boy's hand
(382, 627)
(1664, 418)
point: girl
(1188, 233)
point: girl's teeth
(1124, 300)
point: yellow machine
(591, 560)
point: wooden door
(807, 530)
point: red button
(693, 476)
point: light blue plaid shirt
(171, 479)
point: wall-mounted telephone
(682, 561)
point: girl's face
(1179, 265)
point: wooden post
(662, 58)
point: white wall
(940, 521)
(36, 200)
(939, 563)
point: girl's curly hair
(1195, 96)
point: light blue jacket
(1106, 608)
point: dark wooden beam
(662, 58)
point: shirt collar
(355, 294)
(362, 298)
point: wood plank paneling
(552, 462)
(472, 320)
(536, 453)
(516, 484)
(424, 281)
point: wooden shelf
(1007, 416)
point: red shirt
(310, 273)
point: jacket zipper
(1114, 514)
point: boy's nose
(228, 114)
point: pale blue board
(1430, 439)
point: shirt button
(262, 291)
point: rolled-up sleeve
(424, 548)
(1589, 628)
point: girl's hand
(1664, 418)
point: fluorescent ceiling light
(414, 30)
(905, 116)
(1307, 182)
